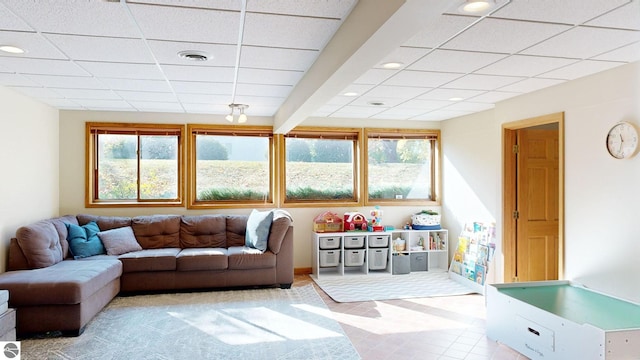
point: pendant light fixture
(242, 117)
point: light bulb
(474, 6)
(242, 118)
(229, 117)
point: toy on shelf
(376, 219)
(426, 220)
(327, 222)
(355, 221)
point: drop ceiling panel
(9, 79)
(421, 78)
(101, 18)
(74, 82)
(97, 104)
(166, 52)
(35, 45)
(325, 8)
(147, 96)
(521, 65)
(455, 61)
(625, 17)
(262, 90)
(357, 89)
(482, 82)
(439, 115)
(102, 48)
(202, 4)
(62, 103)
(156, 106)
(398, 113)
(187, 24)
(503, 36)
(277, 58)
(222, 100)
(629, 53)
(137, 85)
(41, 66)
(288, 31)
(198, 87)
(424, 105)
(256, 101)
(584, 42)
(493, 97)
(446, 94)
(529, 85)
(122, 70)
(198, 73)
(84, 94)
(469, 106)
(269, 77)
(572, 12)
(10, 21)
(580, 69)
(366, 100)
(38, 92)
(436, 33)
(357, 111)
(375, 76)
(396, 92)
(340, 100)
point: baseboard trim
(302, 271)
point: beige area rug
(234, 324)
(352, 287)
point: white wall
(29, 153)
(72, 170)
(602, 195)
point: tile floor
(427, 328)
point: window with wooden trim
(401, 166)
(321, 166)
(230, 166)
(134, 164)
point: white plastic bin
(329, 258)
(378, 259)
(353, 242)
(354, 257)
(329, 242)
(378, 240)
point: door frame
(509, 190)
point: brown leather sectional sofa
(54, 292)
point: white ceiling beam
(373, 30)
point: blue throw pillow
(84, 240)
(258, 227)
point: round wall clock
(622, 140)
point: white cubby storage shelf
(365, 253)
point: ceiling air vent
(194, 55)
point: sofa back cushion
(236, 229)
(203, 231)
(40, 244)
(157, 231)
(105, 222)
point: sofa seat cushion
(242, 257)
(193, 259)
(149, 260)
(66, 283)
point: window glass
(321, 167)
(232, 168)
(400, 167)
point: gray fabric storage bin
(401, 264)
(419, 261)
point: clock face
(622, 140)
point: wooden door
(537, 205)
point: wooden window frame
(322, 133)
(91, 170)
(404, 134)
(229, 130)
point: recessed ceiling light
(476, 6)
(350, 93)
(392, 65)
(455, 99)
(194, 55)
(11, 49)
(375, 103)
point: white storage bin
(329, 258)
(378, 240)
(351, 242)
(330, 242)
(378, 259)
(354, 257)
